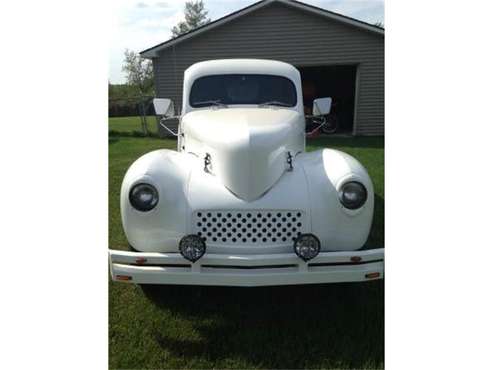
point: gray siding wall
(283, 33)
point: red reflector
(355, 259)
(123, 277)
(372, 275)
(141, 260)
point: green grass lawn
(313, 326)
(130, 124)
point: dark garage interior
(337, 82)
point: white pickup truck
(241, 203)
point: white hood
(248, 146)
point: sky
(140, 24)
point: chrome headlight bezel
(353, 195)
(143, 205)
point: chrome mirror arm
(166, 127)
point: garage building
(337, 56)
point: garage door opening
(337, 82)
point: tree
(140, 75)
(195, 16)
(138, 72)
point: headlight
(192, 247)
(143, 197)
(353, 195)
(307, 247)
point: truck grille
(269, 227)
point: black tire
(331, 126)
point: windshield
(219, 90)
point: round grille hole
(269, 235)
(289, 224)
(204, 219)
(289, 234)
(289, 214)
(214, 229)
(228, 225)
(279, 225)
(238, 225)
(284, 219)
(234, 240)
(229, 215)
(264, 220)
(269, 225)
(214, 220)
(299, 233)
(223, 230)
(264, 230)
(219, 235)
(243, 240)
(219, 225)
(283, 239)
(298, 224)
(249, 235)
(254, 240)
(199, 233)
(224, 240)
(249, 225)
(283, 229)
(274, 230)
(244, 230)
(274, 240)
(279, 234)
(259, 225)
(223, 220)
(264, 239)
(204, 229)
(209, 215)
(199, 214)
(233, 230)
(243, 220)
(249, 215)
(274, 220)
(209, 234)
(269, 215)
(278, 215)
(228, 235)
(254, 230)
(209, 224)
(204, 239)
(233, 220)
(239, 235)
(214, 239)
(298, 214)
(199, 224)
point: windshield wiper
(275, 103)
(216, 103)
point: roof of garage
(153, 51)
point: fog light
(307, 246)
(192, 247)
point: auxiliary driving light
(307, 246)
(192, 247)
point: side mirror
(164, 107)
(322, 106)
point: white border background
(53, 152)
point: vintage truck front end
(241, 203)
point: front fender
(160, 229)
(337, 227)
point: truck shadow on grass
(311, 326)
